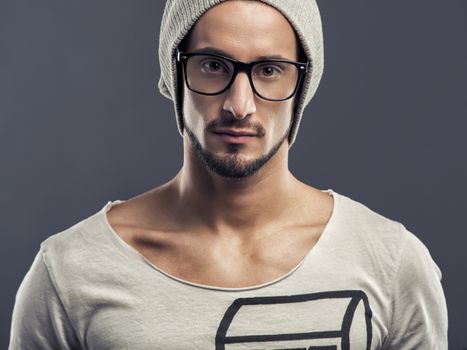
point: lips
(235, 132)
(235, 136)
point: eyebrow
(214, 50)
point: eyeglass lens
(210, 75)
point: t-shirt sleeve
(39, 320)
(419, 310)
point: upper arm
(419, 310)
(39, 320)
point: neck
(224, 206)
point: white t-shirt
(368, 283)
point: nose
(240, 100)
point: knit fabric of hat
(180, 15)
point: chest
(278, 319)
(223, 263)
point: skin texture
(234, 215)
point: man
(234, 252)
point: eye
(268, 70)
(213, 66)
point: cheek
(280, 117)
(198, 110)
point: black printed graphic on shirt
(317, 321)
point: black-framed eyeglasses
(212, 74)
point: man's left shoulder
(364, 216)
(372, 228)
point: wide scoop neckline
(313, 251)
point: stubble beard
(232, 165)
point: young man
(234, 252)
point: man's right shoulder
(75, 243)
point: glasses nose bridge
(243, 67)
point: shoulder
(360, 214)
(379, 242)
(369, 225)
(76, 248)
(72, 237)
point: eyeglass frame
(239, 66)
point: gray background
(81, 122)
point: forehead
(245, 29)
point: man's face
(245, 31)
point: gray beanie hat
(180, 15)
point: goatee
(232, 165)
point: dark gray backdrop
(81, 122)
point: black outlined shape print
(334, 338)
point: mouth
(238, 138)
